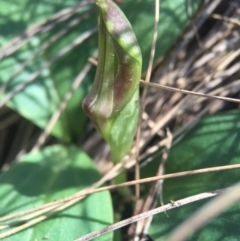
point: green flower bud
(113, 102)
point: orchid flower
(113, 102)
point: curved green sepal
(112, 103)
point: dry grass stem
(171, 205)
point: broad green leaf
(41, 98)
(54, 173)
(213, 142)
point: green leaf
(213, 142)
(54, 173)
(41, 98)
